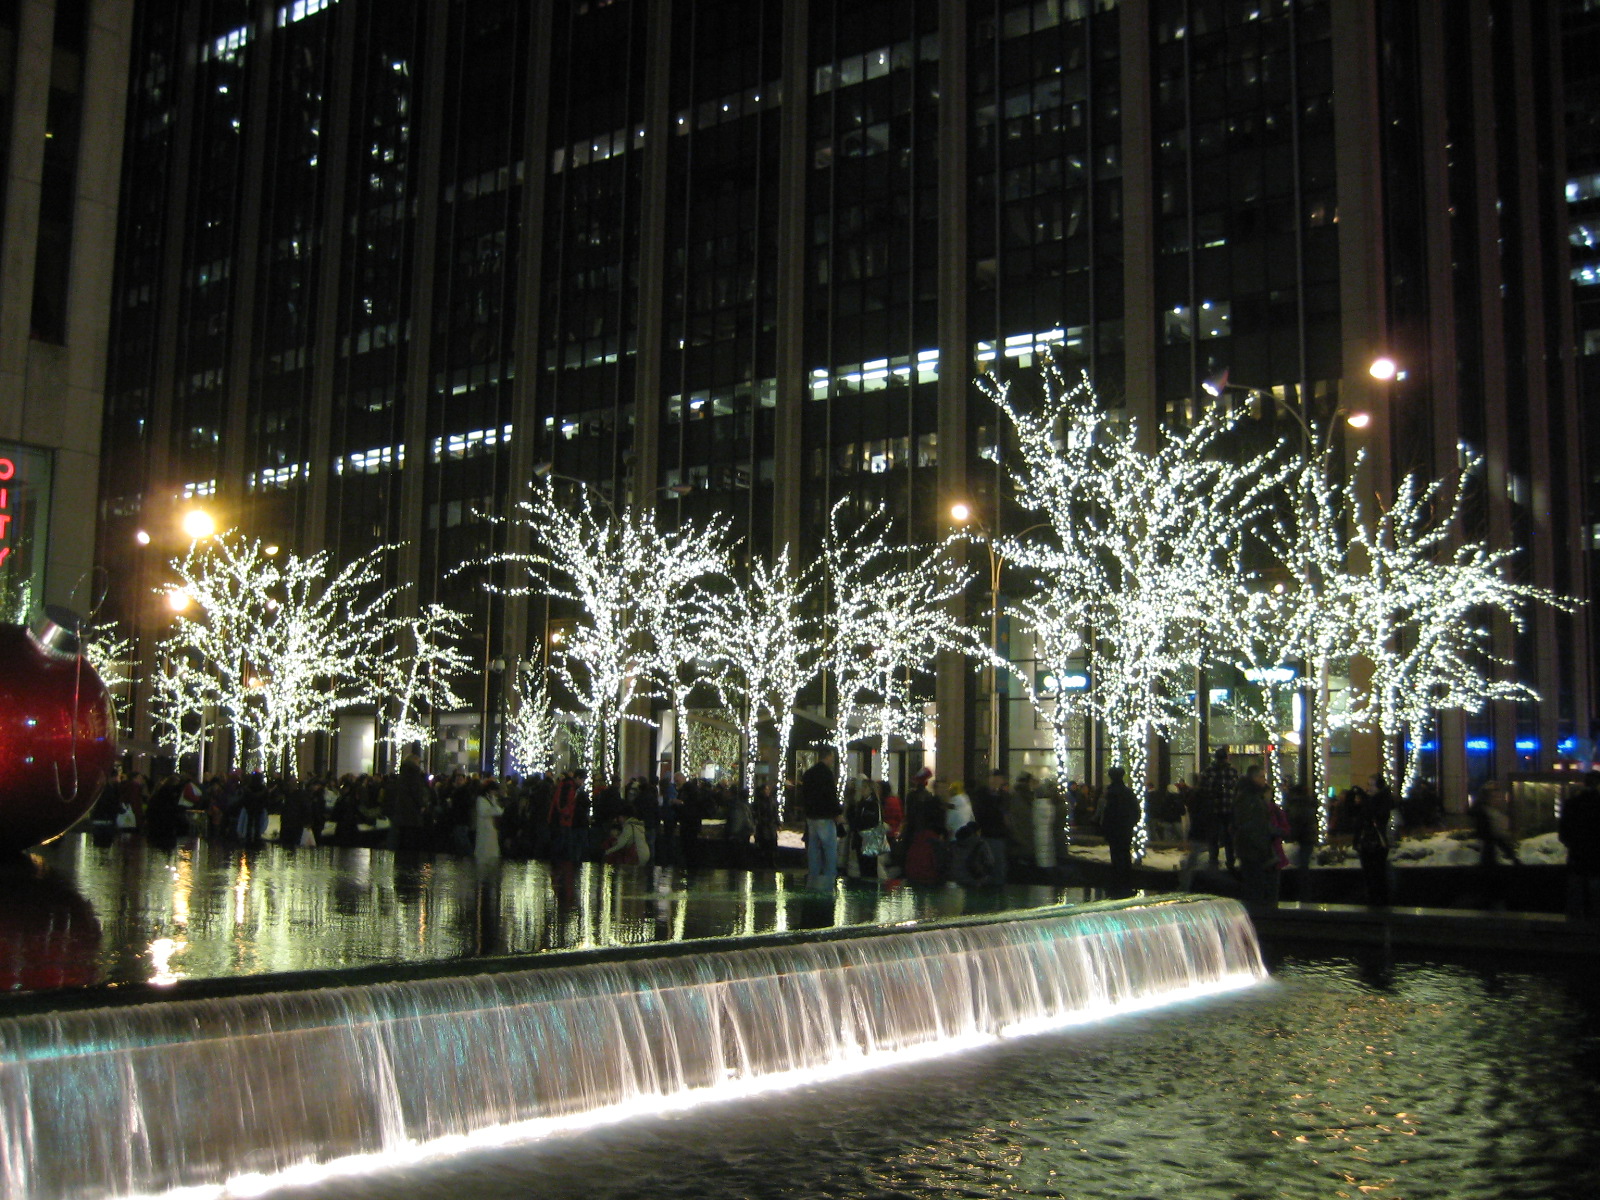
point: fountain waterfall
(186, 1093)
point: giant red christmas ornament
(57, 736)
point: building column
(334, 157)
(1491, 333)
(248, 254)
(954, 674)
(525, 390)
(1362, 271)
(637, 745)
(1441, 385)
(19, 238)
(1138, 219)
(793, 170)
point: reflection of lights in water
(182, 886)
(680, 915)
(733, 1088)
(241, 890)
(895, 907)
(780, 893)
(747, 919)
(425, 894)
(841, 903)
(586, 907)
(608, 881)
(161, 952)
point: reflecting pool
(78, 914)
(1347, 1077)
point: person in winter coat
(1119, 817)
(486, 824)
(1369, 814)
(627, 844)
(1220, 783)
(991, 810)
(921, 846)
(1257, 839)
(868, 852)
(1491, 821)
(819, 799)
(1579, 831)
(1198, 819)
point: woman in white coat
(486, 840)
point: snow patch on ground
(1434, 850)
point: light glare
(197, 524)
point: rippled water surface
(1344, 1077)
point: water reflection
(202, 911)
(49, 937)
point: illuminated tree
(111, 656)
(283, 644)
(765, 650)
(182, 694)
(624, 577)
(419, 679)
(1144, 543)
(888, 616)
(675, 620)
(535, 732)
(1422, 614)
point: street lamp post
(1384, 369)
(962, 513)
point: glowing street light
(1218, 385)
(142, 537)
(178, 600)
(197, 524)
(1384, 368)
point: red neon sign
(8, 469)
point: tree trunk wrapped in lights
(535, 733)
(420, 678)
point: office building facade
(379, 261)
(63, 75)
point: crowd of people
(938, 832)
(558, 816)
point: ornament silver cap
(56, 631)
